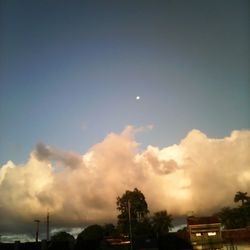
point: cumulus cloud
(200, 174)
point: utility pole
(37, 229)
(130, 228)
(47, 226)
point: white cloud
(200, 174)
(74, 231)
(16, 237)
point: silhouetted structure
(37, 229)
(47, 227)
(205, 232)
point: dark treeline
(135, 222)
(134, 218)
(236, 217)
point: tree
(238, 217)
(225, 216)
(162, 222)
(92, 232)
(183, 229)
(109, 230)
(232, 218)
(135, 203)
(62, 241)
(143, 228)
(62, 237)
(246, 209)
(90, 238)
(240, 196)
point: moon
(138, 97)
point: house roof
(192, 220)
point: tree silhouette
(62, 236)
(90, 238)
(162, 222)
(61, 241)
(233, 217)
(135, 203)
(240, 196)
(92, 232)
(109, 230)
(238, 217)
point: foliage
(240, 196)
(90, 238)
(162, 222)
(238, 217)
(231, 218)
(62, 241)
(92, 232)
(135, 203)
(138, 204)
(109, 230)
(62, 237)
(184, 229)
(143, 228)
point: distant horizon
(74, 231)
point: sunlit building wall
(205, 232)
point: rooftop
(202, 220)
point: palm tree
(162, 222)
(240, 196)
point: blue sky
(71, 71)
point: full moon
(138, 98)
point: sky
(70, 73)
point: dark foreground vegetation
(236, 217)
(171, 241)
(147, 232)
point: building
(205, 232)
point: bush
(90, 238)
